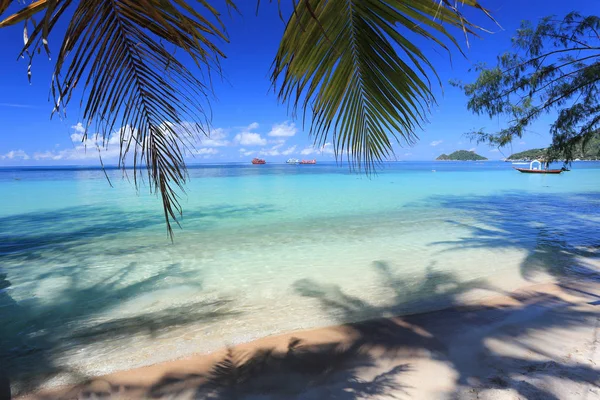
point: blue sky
(247, 119)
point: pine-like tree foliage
(555, 67)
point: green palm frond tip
(355, 66)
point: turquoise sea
(91, 283)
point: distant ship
(293, 161)
(258, 161)
(308, 162)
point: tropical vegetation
(461, 155)
(350, 67)
(590, 152)
(554, 68)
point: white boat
(293, 161)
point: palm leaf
(364, 80)
(121, 54)
(23, 14)
(4, 5)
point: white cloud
(79, 128)
(250, 139)
(274, 151)
(289, 151)
(205, 151)
(285, 129)
(269, 152)
(436, 143)
(78, 132)
(494, 151)
(215, 138)
(15, 155)
(473, 149)
(90, 147)
(47, 155)
(327, 148)
(408, 154)
(245, 152)
(521, 142)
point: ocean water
(90, 282)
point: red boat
(258, 161)
(538, 169)
(308, 162)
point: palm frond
(23, 14)
(121, 54)
(364, 81)
(4, 5)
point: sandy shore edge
(528, 342)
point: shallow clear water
(90, 280)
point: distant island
(461, 155)
(591, 153)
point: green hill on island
(590, 153)
(461, 155)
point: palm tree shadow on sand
(460, 336)
(302, 370)
(37, 338)
(378, 358)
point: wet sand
(540, 342)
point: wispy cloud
(327, 148)
(274, 151)
(88, 147)
(16, 105)
(246, 152)
(205, 152)
(15, 155)
(216, 138)
(436, 143)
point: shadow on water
(55, 251)
(25, 235)
(559, 233)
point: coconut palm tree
(351, 65)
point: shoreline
(459, 351)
